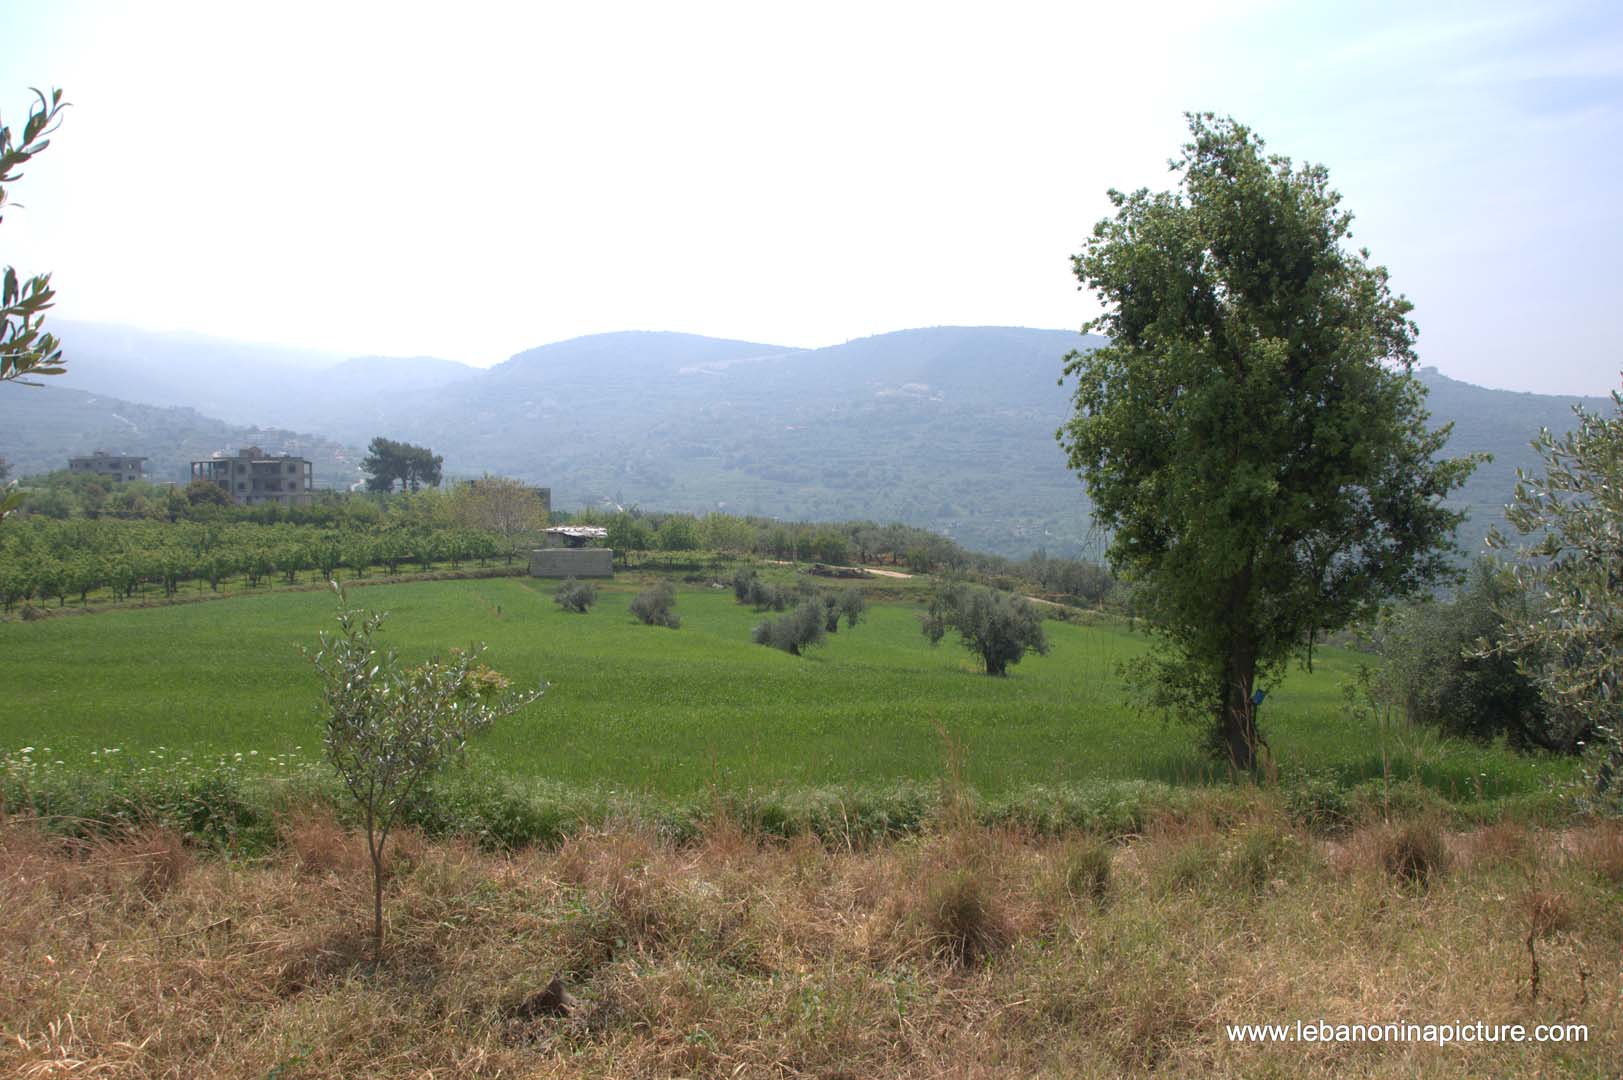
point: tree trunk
(1239, 720)
(1238, 716)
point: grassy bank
(964, 950)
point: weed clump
(1087, 872)
(1413, 853)
(1318, 804)
(962, 917)
(1262, 855)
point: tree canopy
(412, 466)
(1252, 434)
(1571, 640)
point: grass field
(672, 712)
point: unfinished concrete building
(121, 467)
(253, 477)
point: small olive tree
(657, 606)
(800, 629)
(575, 596)
(390, 726)
(996, 626)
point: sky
(473, 180)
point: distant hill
(1502, 423)
(949, 428)
(301, 389)
(40, 428)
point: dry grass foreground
(966, 952)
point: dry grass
(964, 952)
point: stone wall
(572, 562)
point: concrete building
(576, 559)
(112, 466)
(254, 478)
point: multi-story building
(254, 477)
(112, 466)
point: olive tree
(390, 726)
(996, 626)
(1571, 639)
(1252, 435)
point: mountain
(951, 428)
(41, 427)
(301, 389)
(1501, 423)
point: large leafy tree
(1252, 434)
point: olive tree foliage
(1251, 435)
(1442, 661)
(391, 726)
(1571, 558)
(25, 349)
(657, 607)
(800, 629)
(996, 626)
(575, 596)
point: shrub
(576, 596)
(800, 628)
(655, 607)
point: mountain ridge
(950, 428)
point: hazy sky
(469, 180)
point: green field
(644, 709)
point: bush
(654, 607)
(576, 596)
(996, 626)
(800, 628)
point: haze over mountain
(950, 428)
